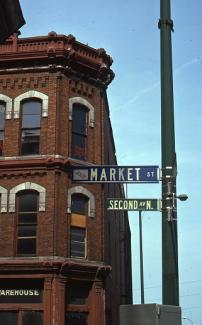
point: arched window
(26, 229)
(2, 119)
(30, 132)
(79, 212)
(79, 131)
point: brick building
(64, 259)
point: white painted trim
(85, 192)
(27, 186)
(82, 101)
(9, 103)
(4, 199)
(31, 94)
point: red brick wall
(105, 230)
(55, 133)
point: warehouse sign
(17, 291)
(116, 174)
(134, 204)
(20, 295)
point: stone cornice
(56, 52)
(41, 161)
(63, 266)
(31, 162)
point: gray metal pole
(141, 259)
(170, 278)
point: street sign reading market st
(116, 174)
(134, 204)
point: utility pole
(170, 278)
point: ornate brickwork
(24, 82)
(81, 89)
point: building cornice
(63, 266)
(56, 52)
(41, 161)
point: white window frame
(82, 101)
(82, 190)
(4, 199)
(27, 186)
(30, 95)
(9, 105)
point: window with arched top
(80, 207)
(26, 227)
(2, 120)
(79, 131)
(79, 213)
(30, 126)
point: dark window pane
(78, 204)
(30, 135)
(31, 108)
(27, 218)
(31, 121)
(77, 293)
(1, 120)
(26, 231)
(75, 318)
(28, 202)
(79, 119)
(30, 148)
(1, 142)
(32, 318)
(78, 146)
(2, 115)
(78, 242)
(8, 318)
(31, 118)
(77, 249)
(1, 135)
(26, 246)
(30, 142)
(78, 234)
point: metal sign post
(136, 205)
(141, 259)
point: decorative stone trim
(27, 186)
(8, 101)
(4, 199)
(31, 94)
(83, 191)
(82, 101)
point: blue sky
(129, 33)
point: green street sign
(134, 204)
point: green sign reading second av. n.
(134, 204)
